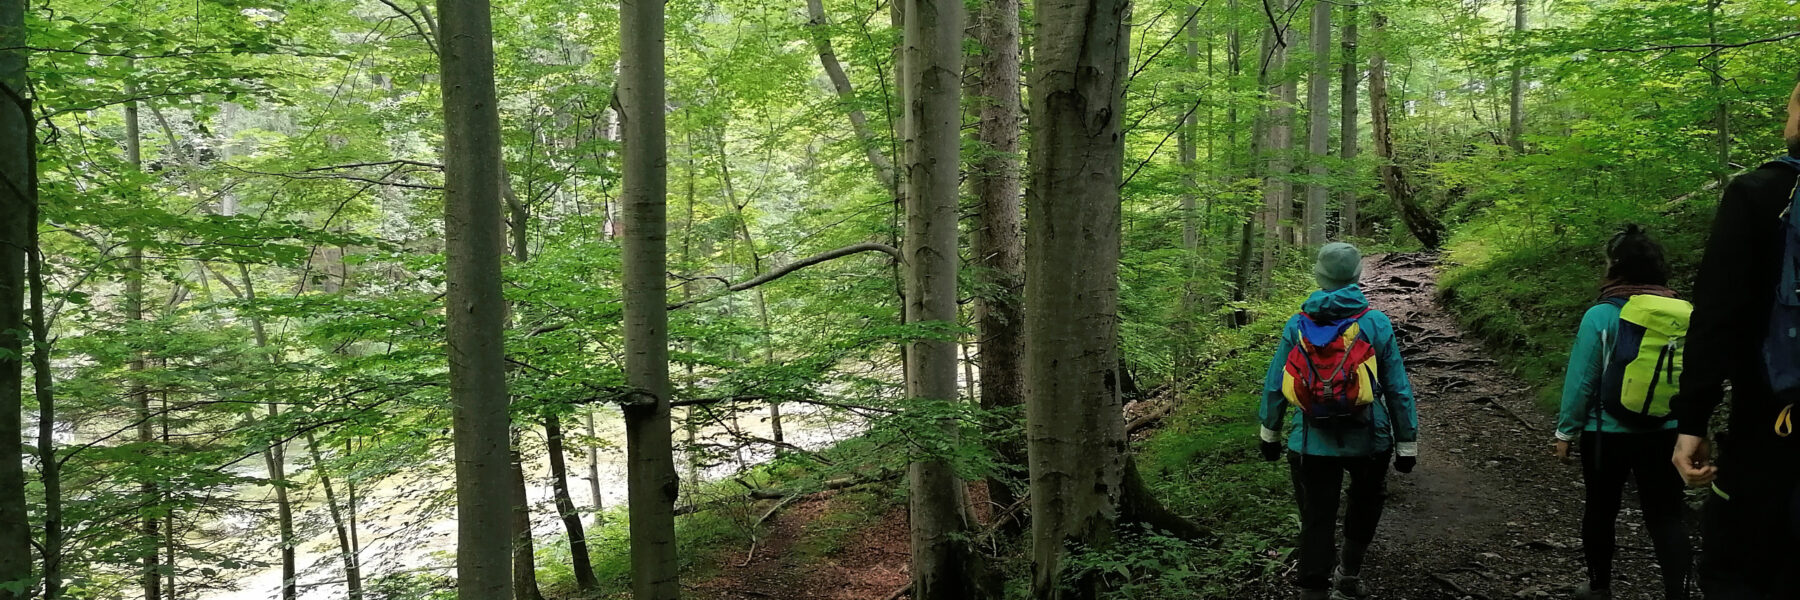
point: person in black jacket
(1751, 526)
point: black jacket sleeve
(1724, 305)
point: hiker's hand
(1271, 451)
(1405, 464)
(1562, 452)
(1693, 459)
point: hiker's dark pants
(1607, 461)
(1317, 482)
(1751, 542)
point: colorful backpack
(1643, 369)
(1781, 349)
(1331, 372)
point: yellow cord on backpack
(1784, 424)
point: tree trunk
(756, 269)
(1234, 53)
(1423, 226)
(593, 467)
(474, 304)
(17, 204)
(275, 457)
(1278, 191)
(1722, 113)
(1074, 417)
(1349, 126)
(945, 564)
(1515, 133)
(524, 553)
(1187, 140)
(1318, 121)
(346, 551)
(150, 577)
(565, 507)
(999, 244)
(49, 467)
(652, 480)
(820, 26)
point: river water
(406, 523)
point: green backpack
(1643, 370)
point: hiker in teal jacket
(1319, 458)
(1613, 450)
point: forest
(572, 299)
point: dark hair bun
(1636, 257)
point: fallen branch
(900, 592)
(1495, 402)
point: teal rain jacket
(1396, 416)
(1581, 386)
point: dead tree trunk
(1422, 224)
(475, 307)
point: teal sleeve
(1582, 380)
(1403, 409)
(1274, 405)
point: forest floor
(1488, 514)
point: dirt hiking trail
(1489, 513)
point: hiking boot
(1323, 595)
(1587, 592)
(1348, 585)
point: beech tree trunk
(16, 207)
(1188, 143)
(49, 467)
(1318, 121)
(150, 577)
(1722, 113)
(474, 305)
(820, 26)
(1082, 482)
(593, 467)
(1350, 128)
(524, 555)
(346, 550)
(1421, 223)
(1515, 133)
(1278, 190)
(1234, 53)
(945, 564)
(999, 243)
(653, 483)
(565, 507)
(524, 551)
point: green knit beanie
(1339, 266)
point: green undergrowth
(1523, 295)
(708, 538)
